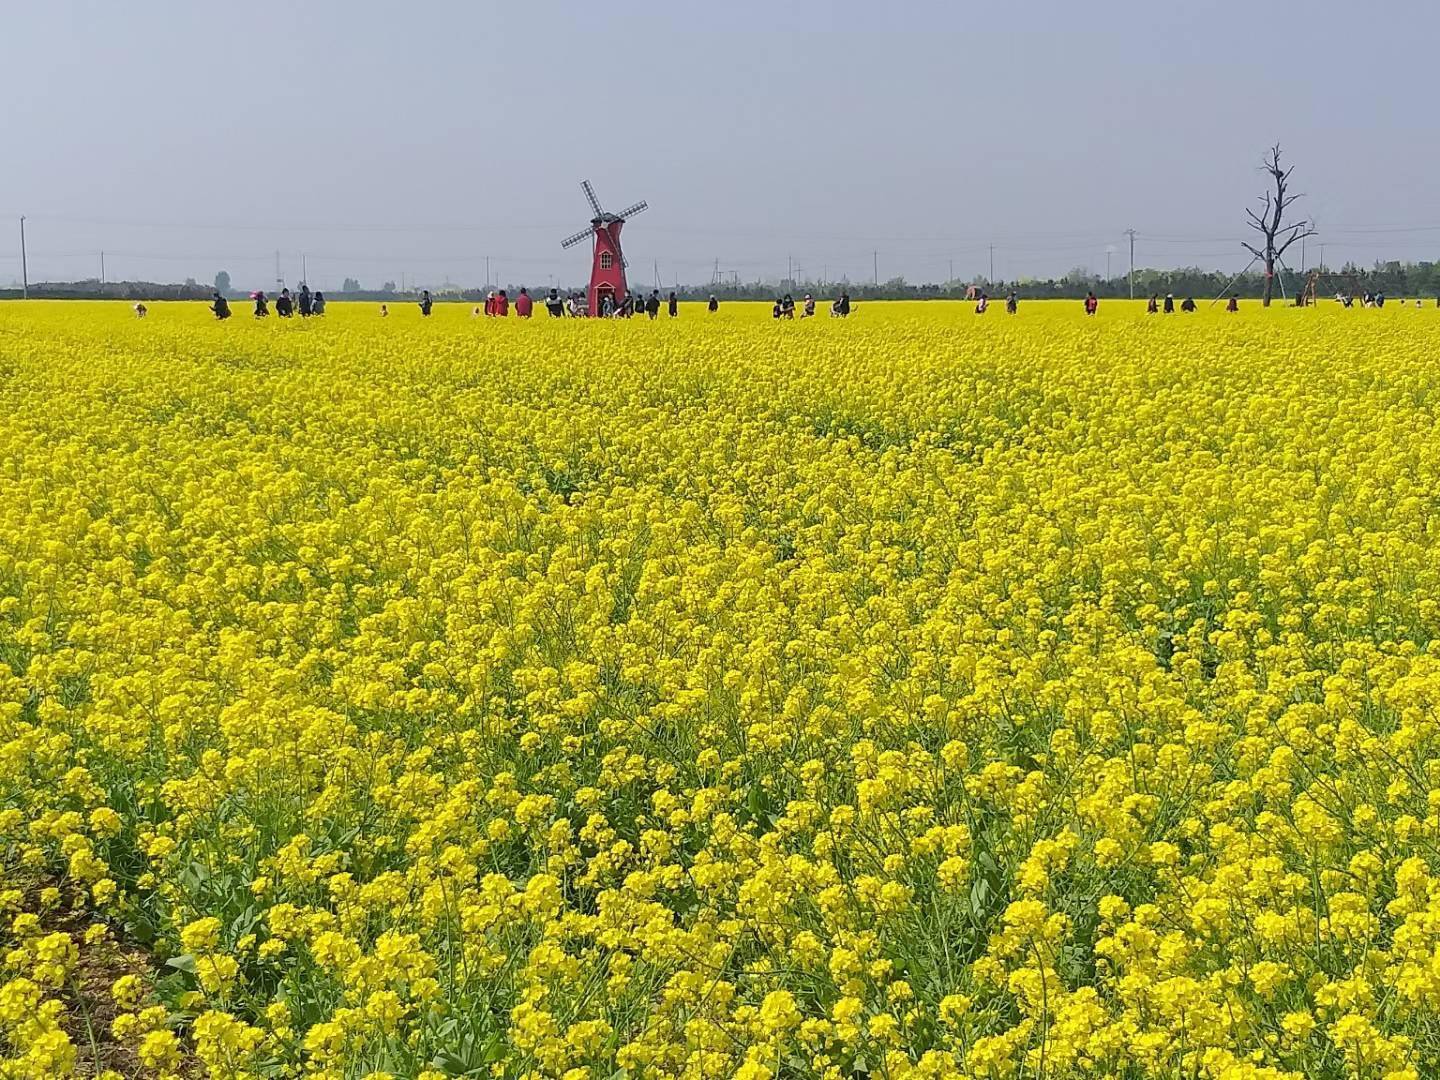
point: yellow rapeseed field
(913, 696)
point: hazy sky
(418, 138)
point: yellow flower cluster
(916, 695)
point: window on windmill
(606, 260)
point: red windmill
(607, 269)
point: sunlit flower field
(916, 695)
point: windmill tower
(607, 267)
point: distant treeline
(110, 290)
(1395, 279)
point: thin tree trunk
(1269, 283)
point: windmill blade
(572, 241)
(590, 194)
(633, 210)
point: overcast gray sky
(420, 138)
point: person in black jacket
(284, 306)
(305, 301)
(714, 304)
(220, 306)
(261, 308)
(674, 306)
(425, 302)
(652, 304)
(1169, 304)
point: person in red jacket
(523, 304)
(502, 303)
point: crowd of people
(305, 302)
(498, 304)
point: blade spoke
(590, 194)
(572, 241)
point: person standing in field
(787, 306)
(982, 305)
(283, 304)
(262, 309)
(140, 310)
(1152, 306)
(809, 310)
(502, 305)
(841, 308)
(220, 305)
(1012, 303)
(554, 305)
(523, 304)
(1169, 303)
(1092, 302)
(425, 303)
(384, 311)
(714, 304)
(317, 303)
(652, 305)
(1234, 302)
(305, 301)
(674, 305)
(1188, 305)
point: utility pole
(789, 268)
(1131, 233)
(875, 257)
(24, 267)
(1302, 256)
(1322, 258)
(304, 273)
(102, 268)
(952, 272)
(279, 278)
(487, 267)
(991, 279)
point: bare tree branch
(1270, 221)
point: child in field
(425, 303)
(1092, 303)
(1234, 304)
(1012, 303)
(384, 311)
(140, 311)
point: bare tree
(1270, 222)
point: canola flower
(914, 696)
